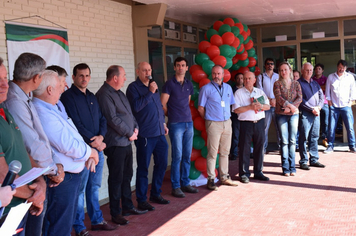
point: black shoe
(145, 206)
(189, 189)
(244, 179)
(329, 150)
(211, 185)
(261, 177)
(133, 211)
(177, 192)
(304, 167)
(159, 199)
(120, 220)
(352, 150)
(317, 164)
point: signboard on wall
(48, 42)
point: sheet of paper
(30, 175)
(14, 218)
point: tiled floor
(315, 202)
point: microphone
(14, 168)
(151, 80)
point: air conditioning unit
(171, 34)
(192, 38)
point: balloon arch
(228, 44)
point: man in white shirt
(252, 118)
(340, 92)
(265, 81)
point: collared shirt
(340, 90)
(178, 103)
(216, 101)
(243, 98)
(312, 95)
(147, 109)
(116, 108)
(85, 112)
(268, 83)
(36, 142)
(63, 136)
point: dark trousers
(251, 131)
(34, 223)
(157, 146)
(120, 174)
(235, 136)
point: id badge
(222, 103)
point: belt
(252, 121)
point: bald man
(252, 118)
(147, 108)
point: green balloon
(196, 132)
(245, 27)
(252, 69)
(243, 63)
(235, 66)
(193, 173)
(200, 58)
(198, 142)
(236, 20)
(207, 66)
(196, 103)
(233, 52)
(195, 85)
(255, 56)
(210, 33)
(235, 30)
(204, 152)
(241, 38)
(210, 77)
(195, 96)
(224, 28)
(251, 52)
(228, 63)
(217, 161)
(225, 50)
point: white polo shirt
(340, 90)
(268, 83)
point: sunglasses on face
(269, 63)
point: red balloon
(195, 68)
(240, 26)
(233, 73)
(244, 34)
(236, 42)
(257, 71)
(203, 46)
(243, 70)
(229, 21)
(205, 36)
(248, 32)
(199, 123)
(235, 59)
(228, 38)
(191, 103)
(194, 112)
(203, 82)
(213, 51)
(198, 75)
(243, 56)
(252, 62)
(204, 135)
(195, 154)
(216, 40)
(217, 25)
(242, 48)
(248, 45)
(220, 60)
(200, 164)
(227, 75)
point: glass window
(202, 33)
(320, 30)
(156, 61)
(155, 32)
(189, 54)
(253, 34)
(281, 54)
(278, 33)
(189, 34)
(171, 54)
(350, 27)
(172, 30)
(350, 54)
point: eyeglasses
(269, 63)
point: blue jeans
(288, 125)
(309, 127)
(157, 146)
(234, 150)
(269, 116)
(324, 121)
(347, 118)
(90, 185)
(62, 206)
(181, 135)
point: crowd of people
(44, 125)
